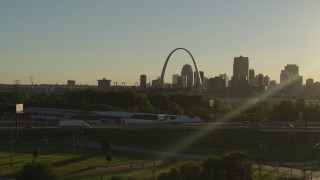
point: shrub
(35, 152)
(44, 141)
(37, 171)
(191, 171)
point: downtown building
(290, 80)
(143, 82)
(104, 83)
(240, 78)
(179, 81)
(188, 72)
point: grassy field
(145, 173)
(62, 158)
(149, 173)
(276, 147)
(65, 159)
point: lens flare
(198, 134)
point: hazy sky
(55, 41)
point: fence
(117, 168)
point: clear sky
(55, 41)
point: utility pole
(11, 156)
(17, 135)
(74, 141)
(17, 82)
(211, 144)
(260, 145)
(306, 143)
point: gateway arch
(161, 84)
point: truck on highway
(73, 123)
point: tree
(174, 174)
(37, 171)
(35, 153)
(190, 171)
(159, 100)
(237, 165)
(145, 106)
(285, 111)
(108, 156)
(106, 148)
(257, 112)
(202, 112)
(213, 168)
(174, 108)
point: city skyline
(120, 40)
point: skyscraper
(187, 71)
(241, 67)
(225, 78)
(179, 81)
(251, 77)
(290, 71)
(143, 82)
(290, 78)
(240, 80)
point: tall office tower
(187, 71)
(290, 77)
(218, 84)
(174, 79)
(225, 78)
(182, 81)
(290, 73)
(179, 81)
(260, 80)
(104, 83)
(143, 82)
(205, 82)
(240, 81)
(251, 77)
(267, 81)
(292, 68)
(196, 79)
(241, 67)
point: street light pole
(45, 129)
(11, 156)
(16, 114)
(260, 145)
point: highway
(267, 127)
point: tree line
(232, 165)
(179, 103)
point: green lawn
(276, 146)
(62, 158)
(148, 173)
(273, 175)
(144, 173)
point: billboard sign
(19, 108)
(211, 103)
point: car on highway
(258, 125)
